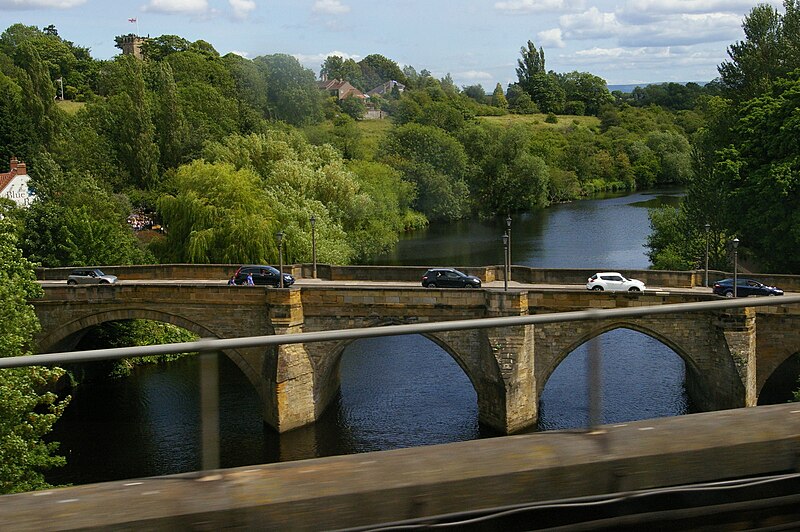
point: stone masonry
(727, 362)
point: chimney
(22, 169)
(13, 164)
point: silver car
(90, 276)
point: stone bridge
(729, 354)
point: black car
(449, 278)
(266, 275)
(745, 287)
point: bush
(551, 118)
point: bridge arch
(67, 335)
(591, 330)
(483, 374)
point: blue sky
(476, 41)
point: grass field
(70, 107)
(538, 120)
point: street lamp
(280, 255)
(508, 232)
(505, 259)
(708, 227)
(314, 246)
(735, 264)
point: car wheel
(597, 288)
(431, 285)
(770, 294)
(104, 282)
(728, 293)
(634, 289)
(72, 282)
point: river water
(396, 392)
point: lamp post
(508, 253)
(280, 256)
(505, 260)
(61, 85)
(708, 227)
(735, 265)
(313, 246)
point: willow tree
(216, 214)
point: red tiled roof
(6, 177)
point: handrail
(217, 344)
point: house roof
(17, 168)
(386, 88)
(343, 89)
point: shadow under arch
(690, 374)
(67, 336)
(327, 381)
(781, 384)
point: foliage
(335, 67)
(127, 333)
(84, 226)
(436, 163)
(353, 107)
(377, 69)
(292, 89)
(27, 411)
(771, 50)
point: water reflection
(604, 233)
(641, 379)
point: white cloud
(331, 7)
(551, 37)
(177, 6)
(240, 54)
(590, 24)
(40, 4)
(242, 8)
(314, 61)
(473, 75)
(537, 6)
(691, 6)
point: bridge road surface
(309, 282)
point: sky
(475, 41)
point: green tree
(17, 131)
(586, 88)
(157, 48)
(436, 163)
(771, 49)
(354, 107)
(499, 98)
(335, 67)
(134, 133)
(74, 221)
(27, 413)
(216, 214)
(292, 90)
(170, 125)
(377, 69)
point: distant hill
(629, 88)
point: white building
(14, 184)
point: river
(396, 392)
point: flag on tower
(131, 20)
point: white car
(613, 281)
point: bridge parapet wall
(525, 274)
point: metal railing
(208, 348)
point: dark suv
(449, 278)
(262, 275)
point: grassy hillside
(70, 107)
(538, 120)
